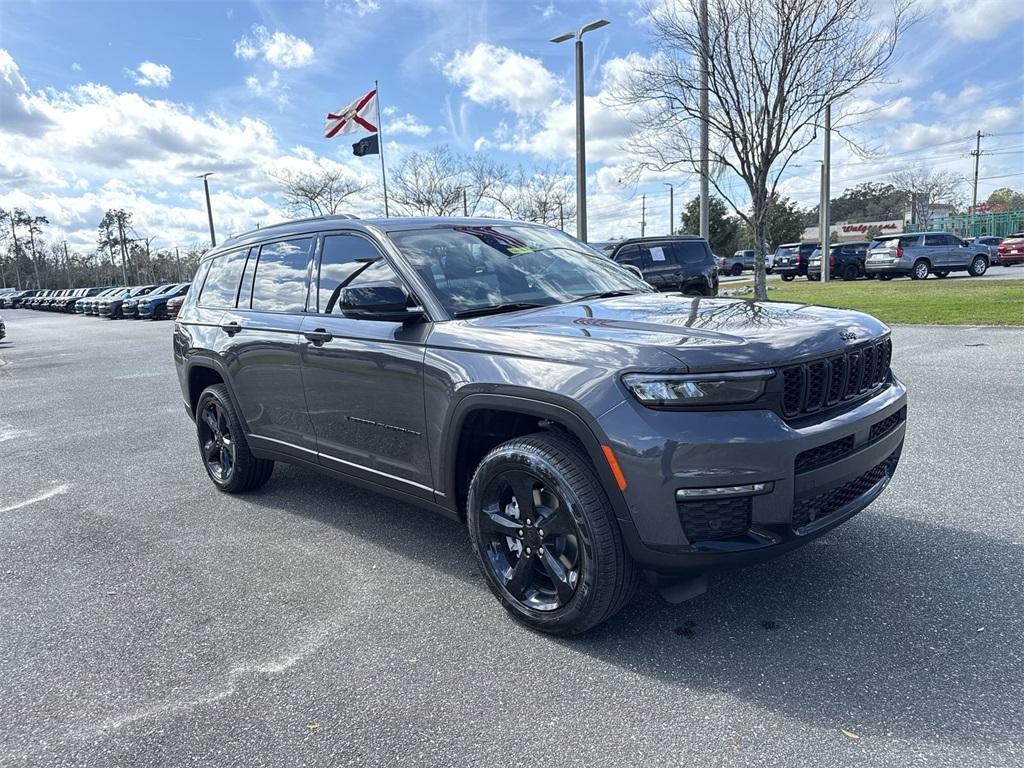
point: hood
(701, 333)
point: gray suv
(921, 254)
(586, 428)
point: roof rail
(346, 216)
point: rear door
(364, 378)
(260, 343)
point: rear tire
(851, 272)
(978, 266)
(920, 270)
(788, 278)
(223, 446)
(737, 269)
(160, 313)
(567, 579)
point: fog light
(724, 490)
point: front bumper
(661, 452)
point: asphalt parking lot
(146, 619)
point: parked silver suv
(922, 253)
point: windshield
(477, 267)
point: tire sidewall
(976, 272)
(523, 458)
(917, 270)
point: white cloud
(546, 11)
(278, 48)
(76, 67)
(20, 109)
(149, 73)
(493, 74)
(981, 19)
(360, 7)
(408, 124)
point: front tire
(978, 266)
(545, 536)
(788, 278)
(737, 269)
(222, 444)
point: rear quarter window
(221, 286)
(691, 252)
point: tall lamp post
(209, 210)
(671, 207)
(581, 150)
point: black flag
(368, 146)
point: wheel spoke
(556, 522)
(225, 462)
(525, 493)
(492, 521)
(559, 576)
(520, 578)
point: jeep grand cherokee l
(585, 427)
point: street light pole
(671, 207)
(581, 150)
(209, 210)
(705, 199)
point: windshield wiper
(608, 294)
(493, 309)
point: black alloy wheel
(223, 445)
(532, 545)
(545, 536)
(216, 441)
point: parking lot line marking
(59, 490)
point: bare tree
(321, 192)
(926, 188)
(771, 68)
(429, 183)
(545, 196)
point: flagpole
(380, 140)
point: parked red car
(174, 305)
(1011, 250)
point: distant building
(847, 231)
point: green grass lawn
(962, 301)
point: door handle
(231, 328)
(318, 336)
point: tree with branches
(319, 192)
(772, 68)
(925, 188)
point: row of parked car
(153, 302)
(915, 255)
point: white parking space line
(58, 491)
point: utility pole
(974, 196)
(14, 234)
(581, 144)
(704, 166)
(209, 210)
(561, 216)
(177, 259)
(124, 251)
(67, 263)
(825, 225)
(671, 207)
(465, 204)
(643, 215)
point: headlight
(698, 389)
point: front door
(364, 378)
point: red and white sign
(352, 118)
(881, 226)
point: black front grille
(813, 508)
(887, 425)
(715, 518)
(824, 454)
(809, 387)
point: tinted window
(630, 255)
(221, 284)
(690, 252)
(279, 284)
(349, 260)
(245, 289)
(935, 240)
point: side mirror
(634, 269)
(379, 301)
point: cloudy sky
(121, 104)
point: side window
(935, 240)
(279, 284)
(689, 252)
(348, 261)
(955, 241)
(630, 255)
(221, 285)
(658, 255)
